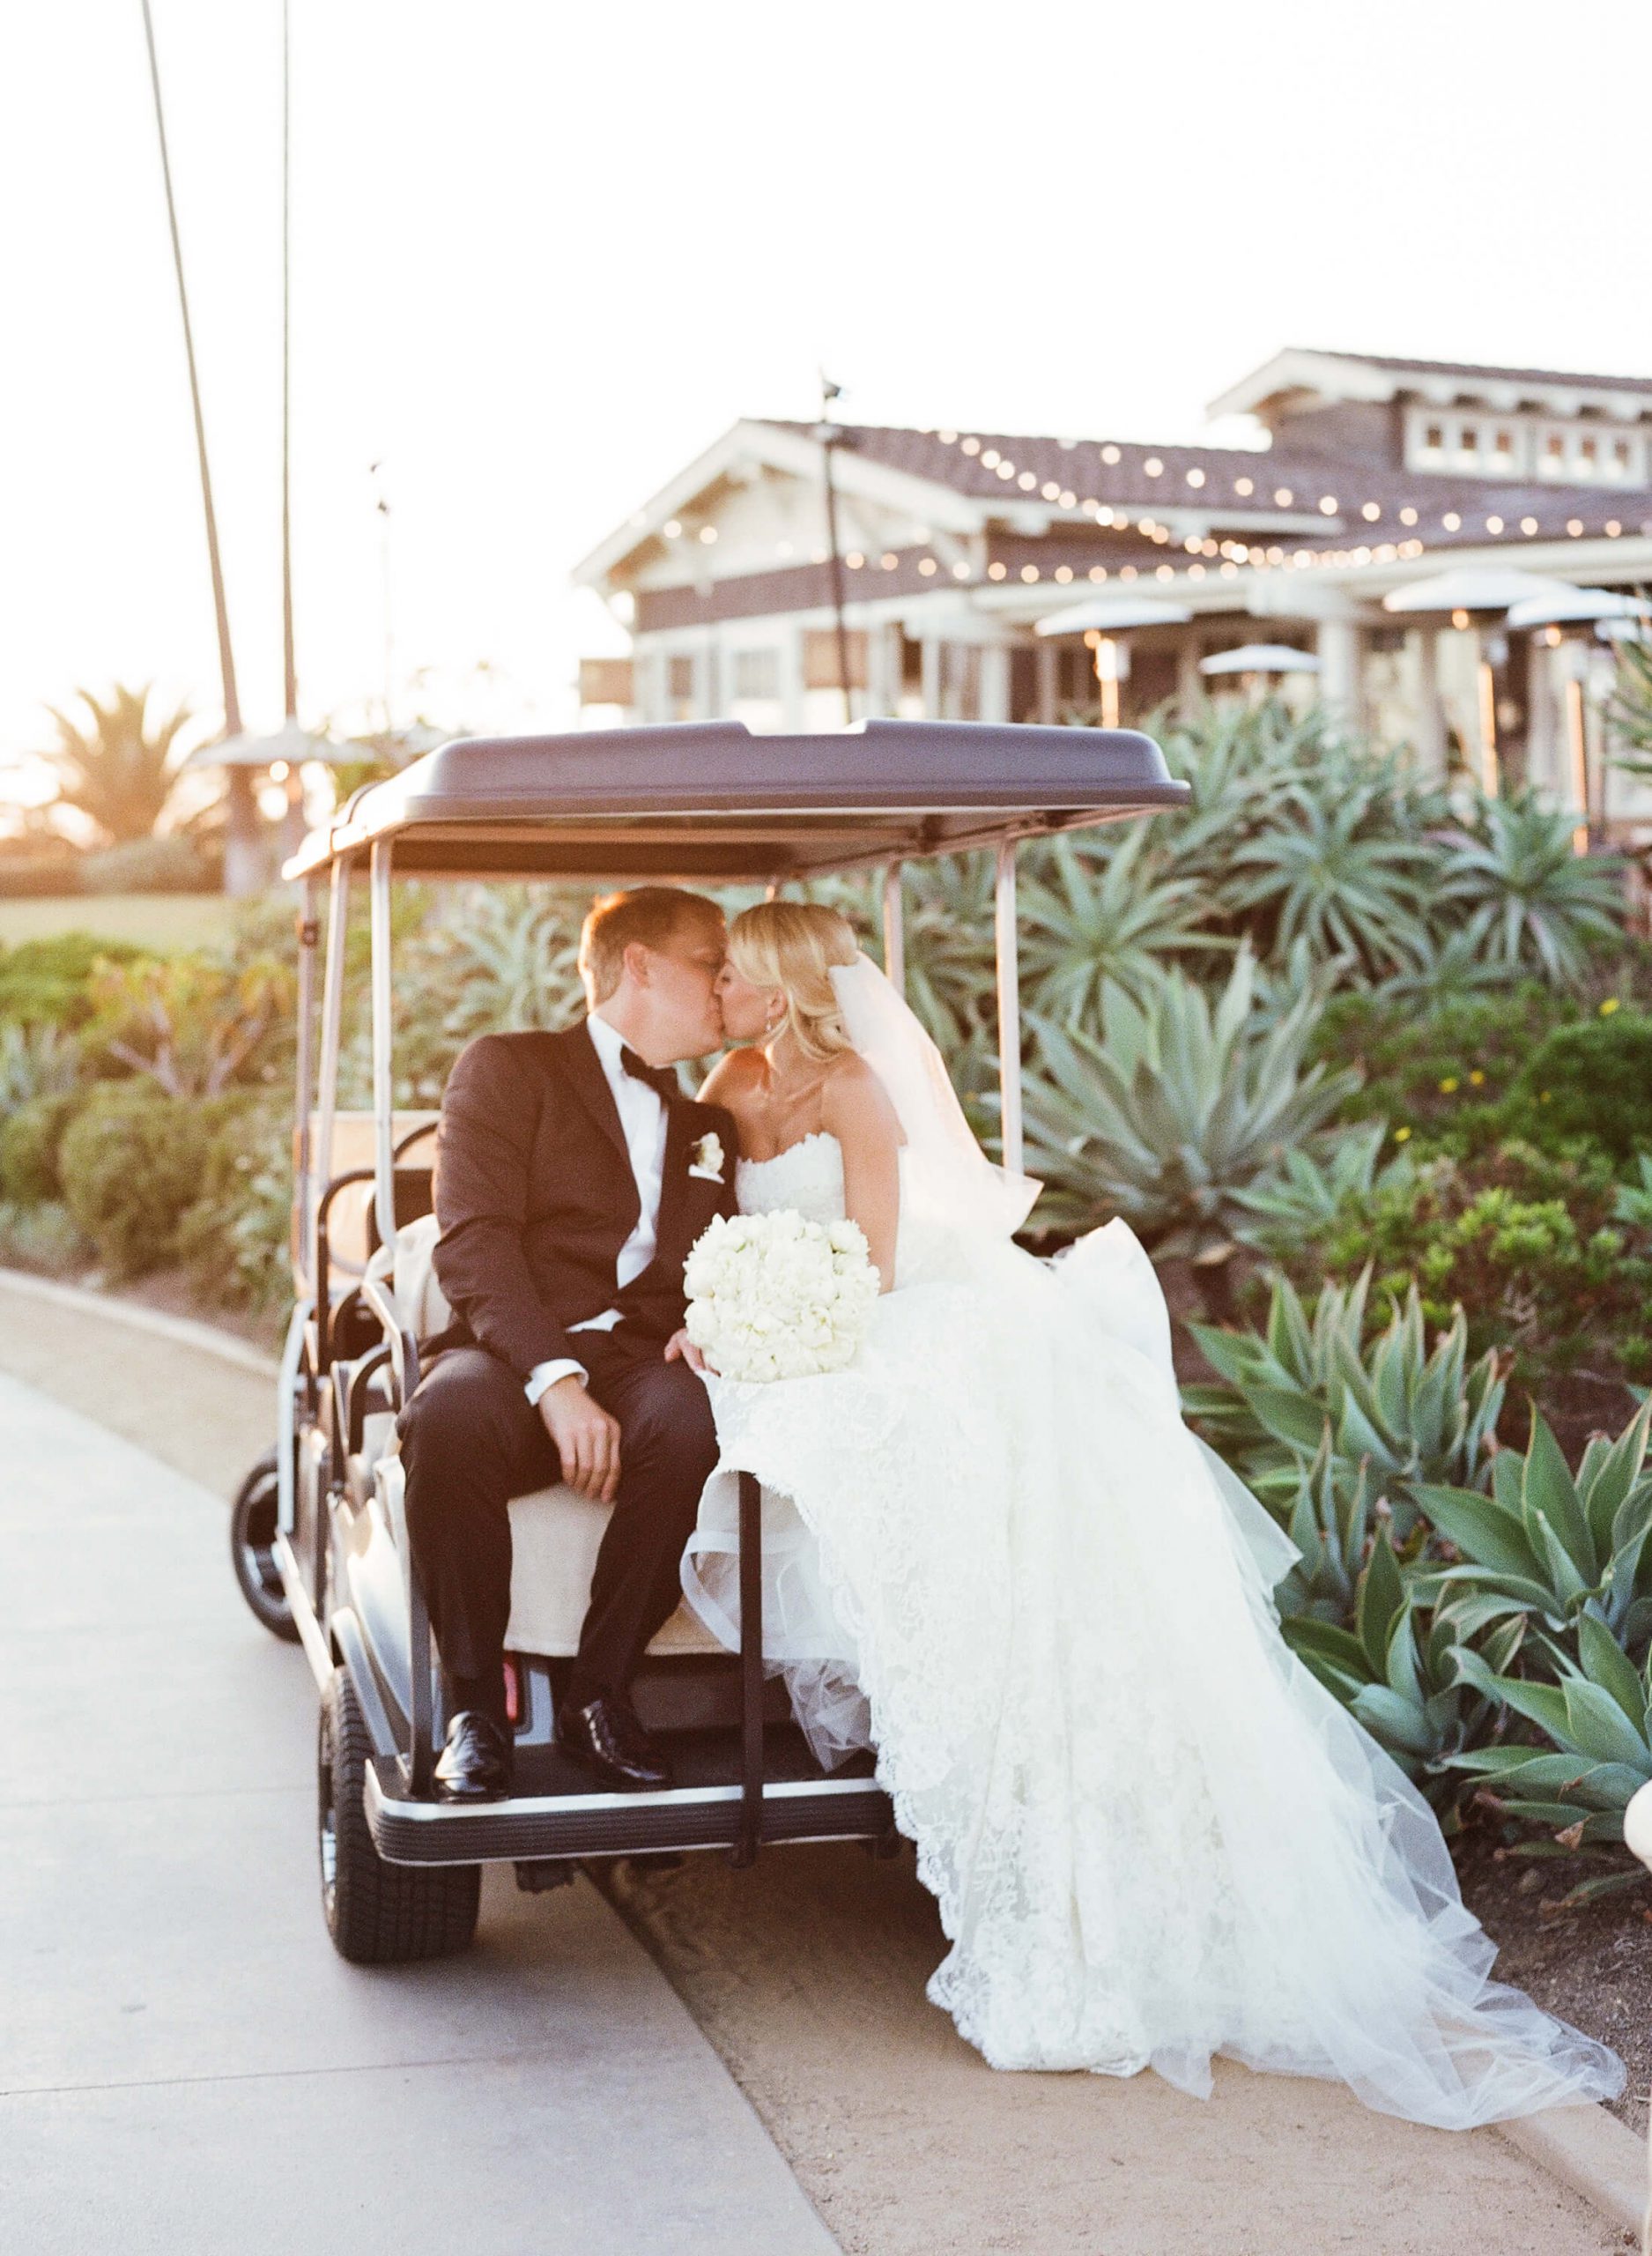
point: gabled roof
(1380, 376)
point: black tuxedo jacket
(535, 1198)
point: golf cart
(320, 1533)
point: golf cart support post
(705, 803)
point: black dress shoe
(476, 1763)
(605, 1736)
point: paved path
(185, 2065)
(806, 1974)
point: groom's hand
(586, 1438)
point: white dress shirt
(642, 1117)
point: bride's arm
(856, 1109)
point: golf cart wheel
(378, 1914)
(252, 1536)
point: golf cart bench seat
(555, 1533)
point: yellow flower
(1475, 1077)
(1400, 1134)
(1543, 1096)
(1448, 1086)
(1611, 1005)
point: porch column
(995, 682)
(930, 677)
(1340, 685)
(1189, 680)
(1428, 729)
(1044, 660)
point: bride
(993, 1552)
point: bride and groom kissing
(992, 1550)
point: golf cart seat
(555, 1533)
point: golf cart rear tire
(252, 1534)
(378, 1914)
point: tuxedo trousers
(470, 1441)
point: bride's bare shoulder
(734, 1076)
(852, 1098)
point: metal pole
(829, 433)
(750, 1830)
(310, 933)
(1577, 743)
(383, 1115)
(895, 929)
(326, 1097)
(288, 659)
(1009, 1006)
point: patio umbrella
(1111, 614)
(1261, 658)
(1474, 587)
(290, 743)
(1106, 617)
(1578, 606)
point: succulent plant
(1176, 1108)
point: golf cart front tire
(378, 1914)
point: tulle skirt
(993, 1551)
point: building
(1371, 476)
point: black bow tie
(661, 1078)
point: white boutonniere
(707, 1160)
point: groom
(572, 1179)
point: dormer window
(1468, 445)
(1503, 448)
(1434, 442)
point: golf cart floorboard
(559, 1810)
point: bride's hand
(680, 1344)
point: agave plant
(1399, 1672)
(512, 960)
(1598, 1719)
(35, 1060)
(1301, 1203)
(1399, 1410)
(1541, 1543)
(1176, 1109)
(1091, 920)
(1446, 966)
(948, 918)
(1525, 898)
(1326, 871)
(1634, 1199)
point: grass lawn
(156, 920)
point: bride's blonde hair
(793, 945)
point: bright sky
(544, 252)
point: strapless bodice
(807, 1177)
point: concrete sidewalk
(184, 2063)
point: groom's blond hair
(793, 945)
(653, 914)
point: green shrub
(48, 982)
(234, 1237)
(1523, 1241)
(133, 1160)
(29, 1144)
(1443, 1071)
(1591, 1079)
(40, 1237)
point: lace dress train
(993, 1551)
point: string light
(1098, 573)
(961, 570)
(1528, 525)
(1283, 496)
(1153, 467)
(928, 566)
(1109, 454)
(1196, 571)
(1026, 481)
(1029, 573)
(1244, 487)
(1128, 572)
(671, 528)
(1006, 470)
(1408, 516)
(1574, 525)
(990, 458)
(1328, 505)
(1064, 572)
(889, 560)
(708, 533)
(1067, 498)
(1493, 524)
(996, 571)
(1370, 512)
(1612, 528)
(1196, 478)
(947, 438)
(1166, 572)
(1050, 491)
(1451, 521)
(970, 446)
(854, 559)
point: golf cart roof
(710, 800)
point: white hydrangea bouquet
(774, 1296)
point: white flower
(707, 1158)
(774, 1296)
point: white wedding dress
(993, 1552)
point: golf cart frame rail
(706, 802)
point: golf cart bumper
(527, 1829)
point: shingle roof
(1078, 468)
(1480, 372)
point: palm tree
(119, 767)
